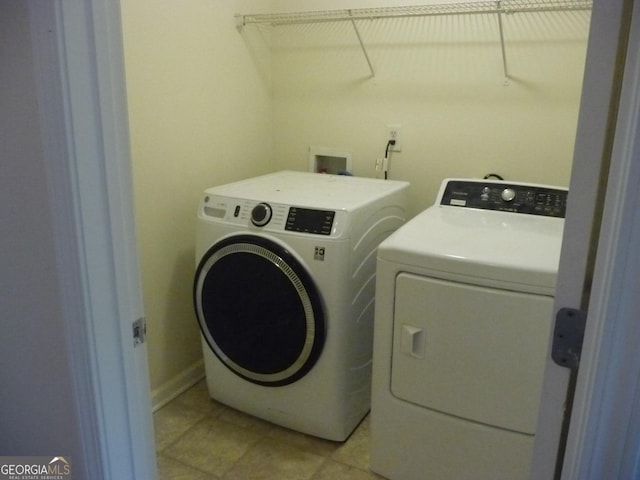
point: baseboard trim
(177, 385)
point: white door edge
(604, 435)
(590, 432)
(79, 69)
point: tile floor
(200, 439)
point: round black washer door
(259, 310)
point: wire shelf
(467, 8)
(497, 7)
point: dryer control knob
(508, 194)
(261, 214)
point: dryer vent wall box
(326, 160)
(463, 314)
(284, 290)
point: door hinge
(139, 331)
(568, 336)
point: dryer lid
(518, 252)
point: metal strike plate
(139, 331)
(568, 336)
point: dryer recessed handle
(412, 341)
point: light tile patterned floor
(200, 439)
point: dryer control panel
(505, 197)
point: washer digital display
(309, 220)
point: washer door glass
(259, 310)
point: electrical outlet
(394, 132)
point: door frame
(604, 433)
(79, 71)
(597, 256)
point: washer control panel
(271, 216)
(505, 197)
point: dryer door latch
(568, 336)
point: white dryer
(463, 317)
(284, 294)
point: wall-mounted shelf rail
(504, 6)
(499, 8)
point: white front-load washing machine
(462, 324)
(284, 294)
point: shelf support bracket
(505, 69)
(239, 22)
(364, 50)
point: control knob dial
(508, 194)
(261, 214)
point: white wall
(442, 79)
(37, 412)
(200, 115)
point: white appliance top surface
(306, 189)
(508, 248)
